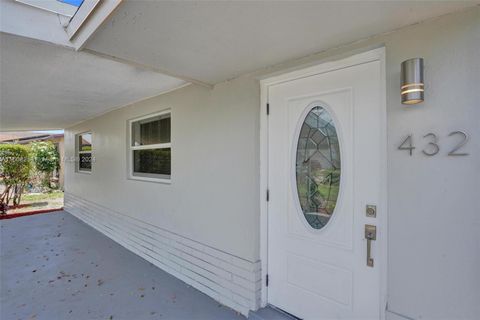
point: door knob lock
(370, 235)
(371, 211)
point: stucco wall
(212, 200)
(434, 220)
(212, 197)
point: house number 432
(432, 146)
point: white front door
(325, 151)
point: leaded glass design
(318, 167)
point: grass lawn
(32, 197)
(39, 201)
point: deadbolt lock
(371, 211)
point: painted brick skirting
(233, 281)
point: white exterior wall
(211, 207)
(204, 227)
(434, 215)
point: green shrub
(46, 159)
(15, 167)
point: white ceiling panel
(43, 86)
(212, 41)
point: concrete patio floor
(54, 266)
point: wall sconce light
(412, 86)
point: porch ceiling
(48, 87)
(43, 86)
(211, 41)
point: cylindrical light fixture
(412, 86)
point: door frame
(323, 67)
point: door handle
(370, 235)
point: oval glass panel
(318, 167)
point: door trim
(361, 58)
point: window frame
(131, 148)
(78, 152)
